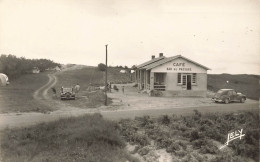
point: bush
(140, 139)
(143, 151)
(102, 67)
(194, 135)
(115, 88)
(165, 120)
(173, 147)
(209, 148)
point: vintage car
(67, 93)
(228, 95)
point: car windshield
(67, 90)
(220, 91)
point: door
(188, 82)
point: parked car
(229, 95)
(67, 93)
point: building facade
(174, 76)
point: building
(3, 80)
(174, 76)
(35, 70)
(122, 71)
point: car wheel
(226, 101)
(242, 100)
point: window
(179, 78)
(194, 78)
(184, 80)
(159, 78)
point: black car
(67, 93)
(229, 95)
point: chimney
(153, 57)
(160, 54)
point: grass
(13, 96)
(246, 84)
(197, 137)
(86, 138)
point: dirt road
(41, 93)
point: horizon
(223, 35)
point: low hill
(246, 84)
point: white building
(174, 76)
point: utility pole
(106, 78)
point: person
(77, 88)
(123, 89)
(54, 91)
(110, 87)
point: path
(41, 93)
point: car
(229, 95)
(67, 93)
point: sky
(223, 35)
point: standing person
(123, 89)
(77, 88)
(110, 87)
(54, 91)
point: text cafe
(174, 76)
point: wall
(173, 89)
(179, 65)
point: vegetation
(15, 67)
(87, 138)
(196, 137)
(101, 67)
(246, 84)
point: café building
(174, 76)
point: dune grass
(18, 96)
(86, 138)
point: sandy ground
(132, 100)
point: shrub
(144, 121)
(173, 147)
(197, 115)
(102, 67)
(209, 148)
(181, 153)
(115, 87)
(164, 120)
(194, 135)
(140, 139)
(143, 151)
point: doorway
(188, 82)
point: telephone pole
(106, 78)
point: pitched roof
(165, 60)
(155, 64)
(150, 62)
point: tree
(133, 67)
(101, 67)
